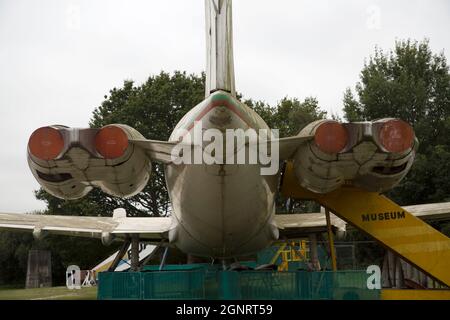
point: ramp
(144, 251)
(385, 221)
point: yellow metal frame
(288, 253)
(384, 220)
(402, 294)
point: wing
(299, 225)
(159, 151)
(430, 211)
(289, 145)
(89, 227)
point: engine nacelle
(68, 162)
(371, 155)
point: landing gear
(134, 246)
(134, 252)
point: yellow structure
(391, 225)
(288, 252)
(427, 294)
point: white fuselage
(221, 210)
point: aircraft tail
(219, 46)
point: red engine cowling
(370, 155)
(68, 162)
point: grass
(53, 293)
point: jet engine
(370, 155)
(68, 162)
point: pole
(135, 253)
(331, 240)
(313, 252)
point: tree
(352, 108)
(292, 115)
(14, 249)
(413, 84)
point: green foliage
(293, 115)
(13, 257)
(352, 108)
(155, 107)
(95, 203)
(290, 115)
(14, 248)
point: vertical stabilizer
(219, 46)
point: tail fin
(219, 46)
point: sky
(58, 58)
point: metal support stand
(331, 241)
(119, 255)
(163, 261)
(135, 253)
(151, 255)
(313, 252)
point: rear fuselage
(221, 210)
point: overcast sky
(59, 58)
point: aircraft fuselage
(221, 210)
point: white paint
(374, 279)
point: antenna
(219, 47)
